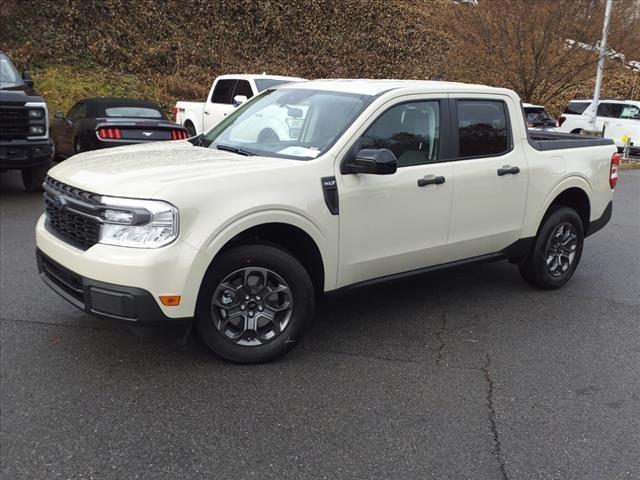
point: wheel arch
(290, 238)
(573, 196)
(289, 231)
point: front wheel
(556, 252)
(255, 303)
(33, 178)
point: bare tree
(540, 48)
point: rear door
(219, 104)
(489, 176)
(622, 122)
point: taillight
(109, 133)
(561, 120)
(178, 134)
(613, 170)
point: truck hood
(140, 171)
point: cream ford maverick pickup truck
(374, 180)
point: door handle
(508, 170)
(206, 113)
(430, 180)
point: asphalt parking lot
(468, 374)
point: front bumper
(132, 306)
(141, 275)
(18, 154)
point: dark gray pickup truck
(24, 127)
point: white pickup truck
(375, 180)
(620, 120)
(226, 93)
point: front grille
(14, 122)
(77, 229)
(72, 192)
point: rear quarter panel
(552, 172)
(192, 112)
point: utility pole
(603, 49)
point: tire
(238, 319)
(33, 178)
(191, 130)
(557, 250)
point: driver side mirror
(27, 79)
(239, 100)
(59, 115)
(375, 161)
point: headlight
(138, 223)
(36, 113)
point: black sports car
(95, 123)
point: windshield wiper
(237, 150)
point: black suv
(24, 127)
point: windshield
(291, 123)
(9, 76)
(537, 116)
(264, 83)
(142, 112)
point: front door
(397, 223)
(490, 177)
(219, 104)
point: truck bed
(557, 141)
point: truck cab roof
(377, 87)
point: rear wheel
(556, 252)
(255, 303)
(33, 178)
(191, 130)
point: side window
(222, 91)
(630, 112)
(243, 88)
(611, 110)
(78, 111)
(482, 128)
(576, 108)
(410, 130)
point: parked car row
(29, 141)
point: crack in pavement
(497, 447)
(441, 330)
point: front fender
(242, 222)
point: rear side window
(410, 130)
(576, 108)
(243, 88)
(222, 91)
(631, 112)
(610, 110)
(482, 128)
